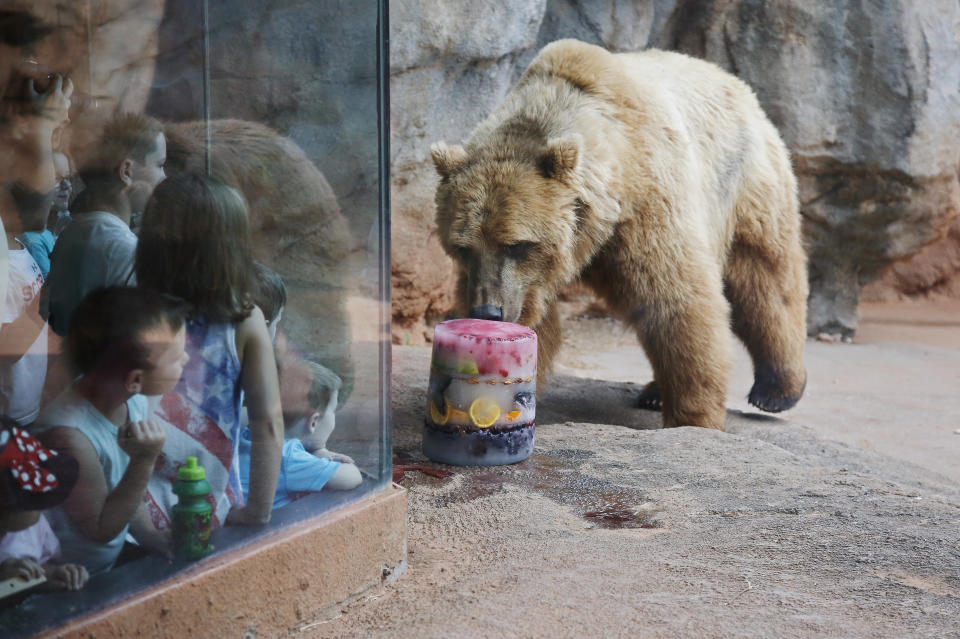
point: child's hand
(54, 102)
(245, 516)
(141, 440)
(340, 457)
(31, 96)
(66, 576)
(24, 568)
(332, 456)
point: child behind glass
(32, 479)
(127, 343)
(309, 394)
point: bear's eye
(518, 251)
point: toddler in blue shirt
(309, 393)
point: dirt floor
(894, 390)
(840, 519)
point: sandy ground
(839, 520)
(894, 390)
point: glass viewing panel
(222, 167)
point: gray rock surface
(450, 65)
(620, 25)
(307, 70)
(764, 530)
(433, 32)
(867, 97)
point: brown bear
(298, 229)
(657, 180)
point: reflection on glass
(192, 347)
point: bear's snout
(487, 312)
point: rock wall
(450, 64)
(934, 271)
(867, 97)
(865, 94)
(306, 69)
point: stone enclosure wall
(866, 95)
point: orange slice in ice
(512, 415)
(484, 412)
(440, 418)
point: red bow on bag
(22, 455)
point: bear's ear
(561, 158)
(448, 159)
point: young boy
(309, 395)
(98, 248)
(126, 343)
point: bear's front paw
(773, 392)
(649, 397)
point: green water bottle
(192, 515)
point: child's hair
(106, 330)
(127, 135)
(270, 292)
(32, 477)
(322, 386)
(195, 244)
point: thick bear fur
(298, 229)
(657, 180)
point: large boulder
(867, 97)
(307, 70)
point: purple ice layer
(481, 448)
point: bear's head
(509, 218)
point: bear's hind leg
(768, 296)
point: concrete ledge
(271, 586)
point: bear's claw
(649, 397)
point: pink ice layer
(498, 348)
